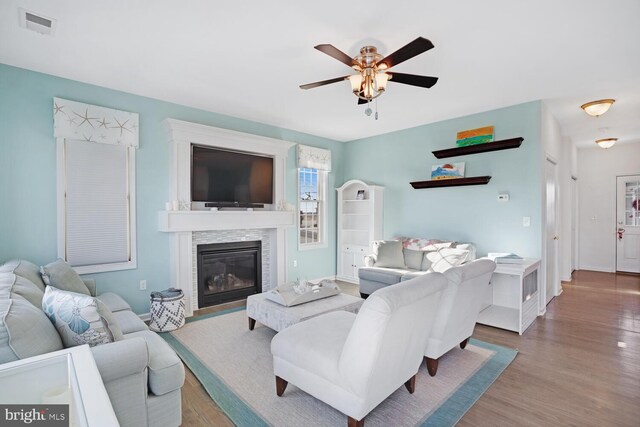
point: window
(312, 184)
(96, 206)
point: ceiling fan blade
(335, 53)
(408, 51)
(323, 82)
(413, 80)
(362, 101)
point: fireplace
(228, 271)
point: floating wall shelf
(455, 182)
(504, 144)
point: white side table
(68, 375)
(513, 296)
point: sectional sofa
(141, 373)
(404, 258)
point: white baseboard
(600, 269)
(145, 317)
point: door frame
(615, 218)
(556, 289)
(575, 232)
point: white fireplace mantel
(176, 221)
(182, 224)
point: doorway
(574, 224)
(551, 229)
(628, 224)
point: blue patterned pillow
(79, 318)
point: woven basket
(167, 310)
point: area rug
(235, 367)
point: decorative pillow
(79, 319)
(26, 269)
(25, 288)
(418, 244)
(468, 247)
(62, 276)
(388, 253)
(436, 246)
(24, 329)
(369, 260)
(444, 259)
(413, 258)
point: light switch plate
(526, 221)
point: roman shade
(314, 158)
(96, 185)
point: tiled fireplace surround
(188, 229)
(206, 237)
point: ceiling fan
(372, 69)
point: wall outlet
(143, 285)
(526, 221)
(504, 197)
(295, 262)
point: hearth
(228, 271)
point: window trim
(61, 212)
(323, 183)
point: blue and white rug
(235, 367)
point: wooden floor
(577, 366)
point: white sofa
(354, 362)
(415, 260)
(458, 309)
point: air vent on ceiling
(35, 22)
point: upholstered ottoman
(279, 317)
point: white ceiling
(247, 58)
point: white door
(551, 231)
(628, 226)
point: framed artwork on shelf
(474, 136)
(447, 171)
(360, 195)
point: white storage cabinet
(512, 298)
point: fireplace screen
(228, 271)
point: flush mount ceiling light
(597, 108)
(606, 142)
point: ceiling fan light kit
(372, 76)
(597, 108)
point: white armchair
(458, 309)
(354, 362)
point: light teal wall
(28, 177)
(460, 213)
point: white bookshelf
(359, 223)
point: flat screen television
(230, 178)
